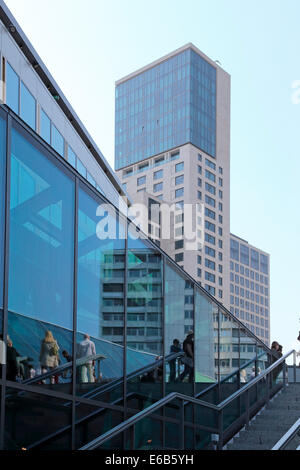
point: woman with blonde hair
(49, 355)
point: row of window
(147, 166)
(249, 305)
(240, 290)
(248, 273)
(23, 103)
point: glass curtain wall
(79, 292)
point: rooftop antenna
(218, 62)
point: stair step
(259, 437)
(244, 446)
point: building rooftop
(168, 56)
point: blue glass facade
(164, 107)
(96, 328)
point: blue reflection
(41, 236)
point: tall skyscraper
(172, 140)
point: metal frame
(185, 399)
(63, 165)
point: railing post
(268, 378)
(284, 375)
(182, 425)
(295, 370)
(247, 409)
(132, 437)
(220, 427)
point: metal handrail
(185, 399)
(57, 370)
(289, 435)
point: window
(210, 251)
(179, 180)
(210, 289)
(210, 264)
(81, 168)
(158, 175)
(159, 161)
(200, 182)
(209, 213)
(264, 267)
(210, 239)
(12, 89)
(179, 257)
(157, 187)
(179, 192)
(220, 182)
(57, 141)
(210, 201)
(141, 180)
(210, 176)
(199, 170)
(210, 164)
(178, 244)
(45, 129)
(174, 156)
(210, 226)
(93, 182)
(209, 277)
(220, 206)
(27, 107)
(199, 195)
(211, 189)
(179, 167)
(244, 253)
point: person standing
(188, 359)
(49, 354)
(85, 349)
(175, 348)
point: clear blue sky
(89, 44)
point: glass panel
(91, 422)
(45, 127)
(2, 206)
(27, 107)
(41, 235)
(57, 141)
(208, 419)
(35, 349)
(229, 345)
(72, 157)
(148, 434)
(247, 356)
(22, 431)
(81, 168)
(100, 314)
(206, 342)
(144, 323)
(12, 89)
(179, 332)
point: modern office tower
(250, 286)
(74, 267)
(172, 140)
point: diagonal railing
(131, 422)
(288, 437)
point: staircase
(271, 423)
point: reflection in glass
(12, 88)
(179, 332)
(27, 107)
(100, 299)
(206, 343)
(45, 127)
(144, 322)
(41, 236)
